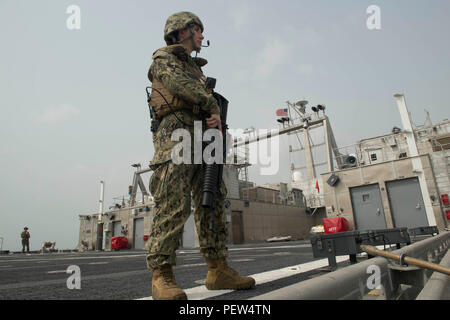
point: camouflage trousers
(171, 187)
(25, 243)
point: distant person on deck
(25, 235)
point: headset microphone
(207, 42)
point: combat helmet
(179, 21)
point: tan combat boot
(221, 276)
(164, 286)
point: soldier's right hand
(214, 122)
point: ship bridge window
(441, 142)
(373, 157)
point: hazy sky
(73, 104)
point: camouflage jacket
(182, 76)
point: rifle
(213, 172)
(153, 116)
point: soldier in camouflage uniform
(178, 78)
(25, 235)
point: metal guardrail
(352, 282)
(434, 289)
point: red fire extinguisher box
(334, 225)
(118, 243)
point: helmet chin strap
(194, 45)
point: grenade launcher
(213, 172)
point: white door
(138, 241)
